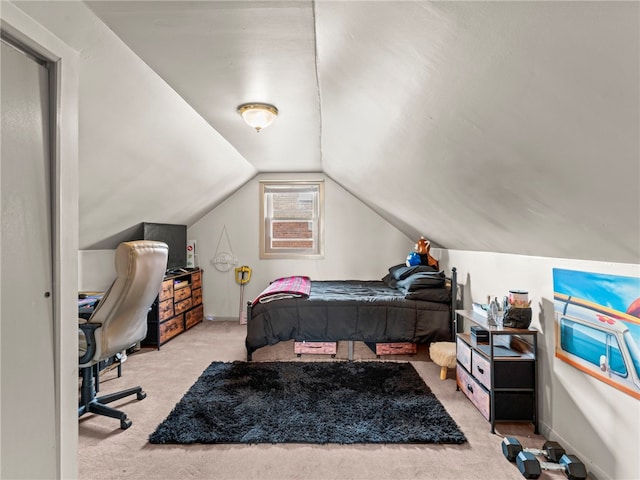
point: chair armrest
(89, 330)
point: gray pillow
(401, 272)
(421, 280)
(389, 280)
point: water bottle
(492, 315)
(499, 312)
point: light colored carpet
(106, 452)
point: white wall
(96, 270)
(359, 244)
(591, 419)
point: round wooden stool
(443, 354)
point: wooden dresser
(177, 308)
(500, 375)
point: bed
(409, 304)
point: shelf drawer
(196, 279)
(514, 406)
(481, 369)
(171, 328)
(514, 374)
(193, 317)
(165, 310)
(166, 290)
(506, 373)
(463, 353)
(182, 293)
(183, 306)
(197, 296)
(474, 391)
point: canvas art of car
(597, 326)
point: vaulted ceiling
(492, 126)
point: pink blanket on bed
(285, 287)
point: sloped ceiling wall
(144, 153)
(499, 126)
(491, 126)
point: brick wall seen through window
(291, 219)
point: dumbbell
(511, 447)
(531, 467)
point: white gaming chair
(120, 320)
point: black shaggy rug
(309, 402)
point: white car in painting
(597, 340)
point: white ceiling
(492, 126)
(220, 54)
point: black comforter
(367, 311)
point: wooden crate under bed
(315, 348)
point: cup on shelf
(518, 297)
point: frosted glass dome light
(258, 115)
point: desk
(87, 302)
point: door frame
(64, 222)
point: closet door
(27, 408)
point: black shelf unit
(500, 376)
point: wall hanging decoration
(224, 261)
(597, 326)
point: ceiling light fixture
(258, 115)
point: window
(590, 344)
(291, 219)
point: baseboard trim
(595, 473)
(211, 318)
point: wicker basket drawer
(396, 348)
(463, 353)
(196, 279)
(197, 296)
(165, 310)
(183, 306)
(182, 293)
(325, 348)
(193, 317)
(171, 328)
(166, 290)
(472, 389)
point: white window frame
(269, 190)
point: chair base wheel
(89, 403)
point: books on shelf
(180, 284)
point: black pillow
(421, 280)
(389, 280)
(395, 268)
(438, 295)
(401, 272)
